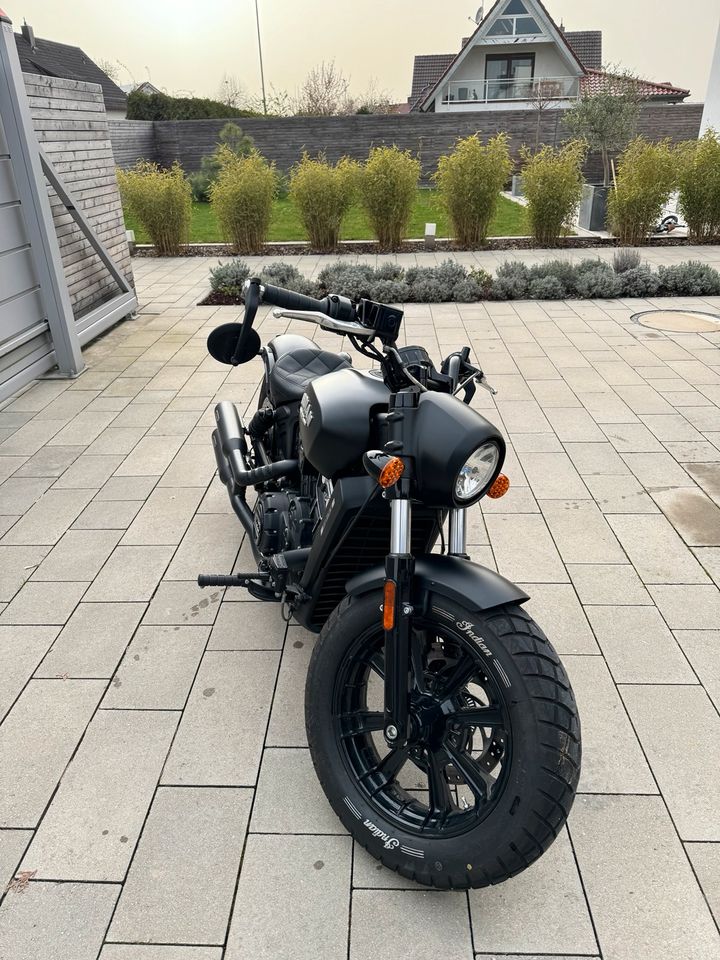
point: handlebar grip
(289, 300)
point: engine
(284, 521)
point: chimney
(29, 34)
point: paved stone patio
(157, 800)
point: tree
(108, 68)
(324, 92)
(606, 120)
(544, 97)
(231, 140)
(230, 91)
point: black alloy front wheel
(488, 775)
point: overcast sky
(187, 45)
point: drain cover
(679, 321)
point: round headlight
(477, 472)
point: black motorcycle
(440, 720)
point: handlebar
(290, 300)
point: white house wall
(548, 63)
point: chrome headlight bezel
(477, 474)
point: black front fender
(476, 587)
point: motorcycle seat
(293, 372)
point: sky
(187, 46)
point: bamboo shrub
(323, 194)
(242, 199)
(553, 182)
(161, 201)
(388, 186)
(469, 181)
(699, 185)
(646, 175)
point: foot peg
(234, 580)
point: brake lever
(326, 322)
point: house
(145, 87)
(516, 57)
(51, 59)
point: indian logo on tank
(306, 413)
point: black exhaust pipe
(233, 447)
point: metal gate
(38, 330)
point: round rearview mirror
(223, 341)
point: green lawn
(510, 221)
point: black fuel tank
(335, 418)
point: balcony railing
(491, 91)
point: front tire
(489, 776)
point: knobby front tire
(490, 775)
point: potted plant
(606, 120)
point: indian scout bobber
(440, 720)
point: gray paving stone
(557, 610)
(18, 494)
(37, 738)
(83, 428)
(688, 607)
(524, 549)
(596, 459)
(254, 625)
(209, 544)
(292, 772)
(193, 466)
(131, 573)
(21, 649)
(287, 720)
(182, 602)
(151, 457)
(116, 441)
(132, 951)
(638, 646)
(310, 876)
(608, 583)
(612, 760)
(90, 829)
(574, 425)
(78, 555)
(695, 517)
(12, 846)
(580, 532)
(191, 835)
(88, 472)
(47, 462)
(643, 896)
(101, 515)
(632, 438)
(126, 488)
(56, 921)
(552, 476)
(424, 922)
(29, 439)
(702, 648)
(158, 669)
(686, 763)
(43, 603)
(164, 518)
(17, 564)
(705, 858)
(656, 551)
(657, 470)
(620, 495)
(49, 518)
(542, 910)
(92, 641)
(221, 733)
(9, 465)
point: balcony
(539, 89)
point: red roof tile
(596, 81)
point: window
(514, 22)
(509, 76)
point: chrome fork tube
(399, 526)
(457, 537)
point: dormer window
(514, 22)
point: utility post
(711, 114)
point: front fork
(399, 571)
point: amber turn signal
(499, 488)
(391, 473)
(389, 605)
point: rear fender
(475, 587)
